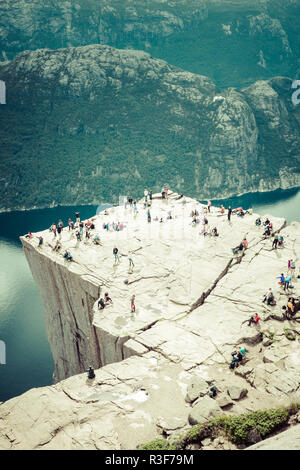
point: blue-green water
(28, 358)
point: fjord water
(28, 358)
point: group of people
(237, 357)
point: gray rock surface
(237, 393)
(286, 440)
(205, 409)
(145, 362)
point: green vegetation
(235, 428)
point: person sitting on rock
(282, 279)
(258, 221)
(212, 392)
(238, 248)
(96, 239)
(280, 241)
(267, 232)
(269, 297)
(107, 299)
(29, 235)
(101, 304)
(41, 241)
(290, 308)
(234, 361)
(68, 256)
(214, 232)
(222, 210)
(57, 246)
(266, 222)
(254, 319)
(245, 243)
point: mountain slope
(233, 42)
(84, 124)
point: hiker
(115, 252)
(229, 213)
(290, 307)
(254, 319)
(282, 279)
(238, 248)
(214, 232)
(146, 195)
(148, 216)
(41, 241)
(132, 304)
(57, 246)
(101, 304)
(130, 200)
(77, 218)
(240, 212)
(245, 243)
(234, 361)
(258, 221)
(280, 241)
(107, 299)
(266, 222)
(222, 210)
(269, 297)
(96, 239)
(150, 194)
(208, 205)
(275, 241)
(70, 224)
(131, 263)
(77, 234)
(241, 354)
(212, 392)
(68, 256)
(292, 268)
(267, 232)
(29, 235)
(287, 283)
(53, 229)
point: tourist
(266, 222)
(41, 241)
(68, 256)
(208, 205)
(291, 307)
(146, 195)
(115, 252)
(258, 221)
(222, 210)
(267, 232)
(214, 232)
(280, 241)
(245, 243)
(107, 299)
(148, 216)
(133, 304)
(287, 283)
(53, 229)
(275, 241)
(96, 239)
(70, 224)
(29, 235)
(131, 263)
(77, 234)
(229, 213)
(292, 268)
(150, 194)
(57, 246)
(77, 218)
(101, 304)
(282, 279)
(254, 319)
(269, 297)
(212, 392)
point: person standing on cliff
(132, 304)
(131, 263)
(115, 252)
(229, 213)
(208, 205)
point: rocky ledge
(154, 367)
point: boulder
(236, 392)
(205, 409)
(197, 387)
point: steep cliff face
(193, 302)
(235, 43)
(95, 121)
